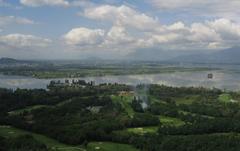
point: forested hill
(84, 116)
(8, 61)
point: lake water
(222, 79)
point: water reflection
(222, 80)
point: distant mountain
(9, 61)
(231, 55)
(150, 55)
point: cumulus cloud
(135, 30)
(23, 41)
(36, 3)
(129, 30)
(118, 35)
(203, 33)
(227, 29)
(120, 16)
(6, 20)
(213, 34)
(84, 36)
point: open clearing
(107, 146)
(226, 98)
(143, 130)
(165, 120)
(186, 100)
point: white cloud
(6, 20)
(118, 35)
(164, 38)
(213, 4)
(214, 34)
(121, 16)
(84, 36)
(203, 33)
(36, 3)
(227, 29)
(173, 4)
(229, 9)
(176, 26)
(23, 41)
(132, 30)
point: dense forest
(147, 117)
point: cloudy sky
(75, 29)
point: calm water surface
(223, 80)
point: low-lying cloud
(24, 41)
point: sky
(115, 29)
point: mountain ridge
(230, 55)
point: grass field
(143, 130)
(153, 99)
(107, 146)
(28, 109)
(225, 98)
(186, 100)
(34, 107)
(8, 132)
(165, 120)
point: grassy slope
(165, 120)
(107, 146)
(125, 102)
(34, 107)
(8, 131)
(186, 100)
(30, 108)
(225, 98)
(153, 129)
(143, 130)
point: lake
(221, 79)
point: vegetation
(108, 146)
(21, 143)
(13, 133)
(170, 121)
(106, 117)
(45, 70)
(225, 98)
(143, 130)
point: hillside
(9, 61)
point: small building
(210, 76)
(126, 93)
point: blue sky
(76, 29)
